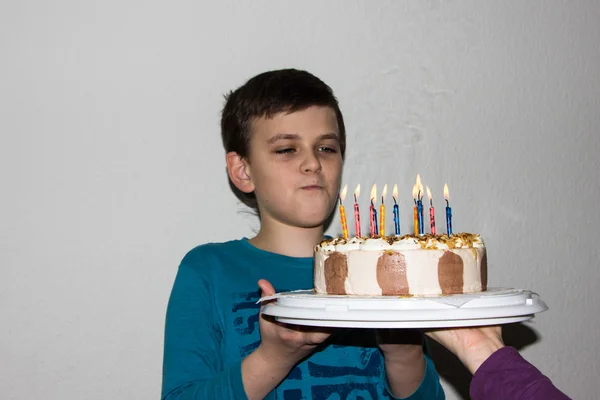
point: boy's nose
(311, 164)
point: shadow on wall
(450, 368)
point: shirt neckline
(246, 243)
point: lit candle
(396, 211)
(420, 205)
(373, 213)
(343, 212)
(448, 210)
(356, 212)
(382, 212)
(431, 211)
(416, 212)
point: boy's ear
(239, 172)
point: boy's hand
(404, 359)
(282, 344)
(281, 347)
(471, 345)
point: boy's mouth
(312, 187)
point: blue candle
(396, 212)
(420, 215)
(420, 205)
(448, 211)
(375, 221)
(396, 219)
(448, 219)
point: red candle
(416, 212)
(371, 220)
(356, 212)
(372, 213)
(382, 212)
(431, 211)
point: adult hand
(471, 345)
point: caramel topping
(426, 241)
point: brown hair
(264, 96)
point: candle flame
(395, 192)
(428, 193)
(374, 193)
(415, 192)
(384, 192)
(357, 191)
(419, 187)
(343, 193)
(446, 193)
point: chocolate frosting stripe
(450, 273)
(336, 272)
(484, 270)
(391, 274)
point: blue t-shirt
(212, 324)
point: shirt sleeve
(430, 387)
(192, 366)
(505, 375)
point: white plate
(493, 307)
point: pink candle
(431, 212)
(372, 220)
(373, 213)
(356, 212)
(356, 220)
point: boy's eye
(328, 149)
(285, 151)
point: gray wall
(111, 164)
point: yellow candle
(416, 213)
(344, 224)
(382, 212)
(343, 212)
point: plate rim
(510, 305)
(433, 324)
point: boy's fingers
(266, 287)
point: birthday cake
(418, 265)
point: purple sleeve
(505, 375)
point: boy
(285, 140)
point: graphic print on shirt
(245, 313)
(335, 375)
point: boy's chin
(313, 221)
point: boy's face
(295, 166)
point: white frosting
(478, 242)
(327, 247)
(471, 271)
(375, 244)
(423, 279)
(362, 273)
(351, 244)
(406, 244)
(319, 272)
